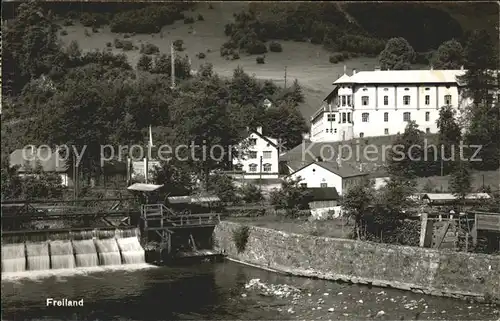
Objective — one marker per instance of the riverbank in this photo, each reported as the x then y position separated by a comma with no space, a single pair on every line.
428,271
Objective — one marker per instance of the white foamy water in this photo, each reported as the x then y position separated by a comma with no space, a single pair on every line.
13,258
109,253
61,254
38,256
38,275
85,253
132,251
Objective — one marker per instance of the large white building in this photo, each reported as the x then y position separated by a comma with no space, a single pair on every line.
377,103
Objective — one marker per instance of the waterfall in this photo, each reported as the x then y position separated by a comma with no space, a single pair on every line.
61,253
70,249
85,253
38,256
13,258
132,251
109,254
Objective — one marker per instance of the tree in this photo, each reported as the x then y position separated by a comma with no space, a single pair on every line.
175,178
292,197
285,123
405,160
450,136
356,202
145,63
481,58
30,46
449,55
250,193
483,130
460,181
223,186
397,55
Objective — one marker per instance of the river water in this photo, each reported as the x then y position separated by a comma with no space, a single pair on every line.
214,291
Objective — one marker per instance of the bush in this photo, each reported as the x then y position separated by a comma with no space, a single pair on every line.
201,55
149,49
87,19
256,47
64,33
336,57
251,193
179,45
188,20
149,19
68,22
236,56
86,33
240,238
275,47
118,44
109,44
126,36
260,60
127,45
95,30
200,17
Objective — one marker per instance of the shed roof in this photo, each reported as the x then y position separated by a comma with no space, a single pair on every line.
343,171
323,194
193,199
451,197
144,187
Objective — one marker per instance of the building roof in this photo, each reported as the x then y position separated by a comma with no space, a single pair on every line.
27,159
451,197
267,139
401,77
344,171
197,199
144,187
323,194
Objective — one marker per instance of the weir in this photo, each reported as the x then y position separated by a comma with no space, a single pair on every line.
41,250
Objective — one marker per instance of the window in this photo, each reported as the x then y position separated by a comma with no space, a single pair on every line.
343,100
427,99
386,100
427,130
323,185
406,116
348,117
303,185
349,100
253,167
386,117
427,89
267,154
267,167
406,100
335,130
331,117
327,130
364,100
343,117
427,115
361,135
386,131
252,155
365,117
238,167
253,141
447,100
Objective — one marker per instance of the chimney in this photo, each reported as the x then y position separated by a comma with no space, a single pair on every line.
432,67
377,68
354,71
345,69
462,67
259,130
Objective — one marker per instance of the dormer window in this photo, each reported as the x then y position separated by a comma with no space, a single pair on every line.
253,141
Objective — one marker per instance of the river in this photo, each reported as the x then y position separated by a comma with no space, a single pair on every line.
215,291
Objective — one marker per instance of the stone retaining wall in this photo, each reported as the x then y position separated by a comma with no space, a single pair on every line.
444,273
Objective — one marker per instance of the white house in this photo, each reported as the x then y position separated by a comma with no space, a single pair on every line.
377,103
259,157
328,174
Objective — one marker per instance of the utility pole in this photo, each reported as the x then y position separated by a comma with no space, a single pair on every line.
260,174
172,64
285,76
442,171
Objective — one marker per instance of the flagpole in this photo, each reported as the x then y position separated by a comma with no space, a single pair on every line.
172,64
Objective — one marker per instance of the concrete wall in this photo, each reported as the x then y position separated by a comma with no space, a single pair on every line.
411,268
